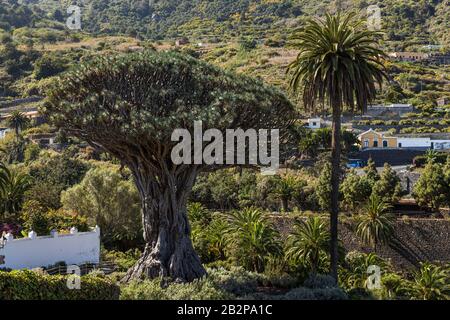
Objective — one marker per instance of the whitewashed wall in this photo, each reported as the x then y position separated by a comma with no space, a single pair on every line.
414,142
441,144
33,252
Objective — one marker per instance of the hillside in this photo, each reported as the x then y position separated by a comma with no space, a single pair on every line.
406,22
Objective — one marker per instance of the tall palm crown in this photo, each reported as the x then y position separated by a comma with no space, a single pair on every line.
17,121
376,224
338,63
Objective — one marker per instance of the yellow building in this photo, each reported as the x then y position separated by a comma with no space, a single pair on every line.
373,139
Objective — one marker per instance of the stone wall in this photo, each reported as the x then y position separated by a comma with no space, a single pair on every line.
415,241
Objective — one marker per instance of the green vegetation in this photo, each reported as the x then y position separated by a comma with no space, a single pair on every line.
30,285
239,233
341,71
376,224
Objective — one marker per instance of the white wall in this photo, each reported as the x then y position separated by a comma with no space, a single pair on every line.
314,123
3,133
441,144
414,142
33,252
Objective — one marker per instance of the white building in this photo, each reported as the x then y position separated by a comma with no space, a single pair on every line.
315,123
75,248
406,142
3,132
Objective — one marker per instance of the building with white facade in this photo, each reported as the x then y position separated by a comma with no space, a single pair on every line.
374,139
315,123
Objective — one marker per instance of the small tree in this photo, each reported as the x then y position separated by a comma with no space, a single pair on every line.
323,188
388,188
285,189
355,190
129,105
108,201
432,189
371,172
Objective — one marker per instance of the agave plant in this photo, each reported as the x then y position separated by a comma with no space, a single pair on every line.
252,238
431,282
376,224
309,243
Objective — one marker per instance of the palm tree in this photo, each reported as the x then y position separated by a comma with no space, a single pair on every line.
431,283
17,121
338,64
285,189
252,237
376,224
308,243
13,185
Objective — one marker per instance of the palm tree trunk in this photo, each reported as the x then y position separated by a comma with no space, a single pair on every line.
335,174
285,204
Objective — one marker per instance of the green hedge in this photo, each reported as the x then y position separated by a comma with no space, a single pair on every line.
29,285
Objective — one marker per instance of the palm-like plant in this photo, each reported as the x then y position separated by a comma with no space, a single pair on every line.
13,185
431,283
339,64
355,274
431,155
252,237
285,188
376,224
308,243
17,121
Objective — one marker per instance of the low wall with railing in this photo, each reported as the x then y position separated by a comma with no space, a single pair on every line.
41,251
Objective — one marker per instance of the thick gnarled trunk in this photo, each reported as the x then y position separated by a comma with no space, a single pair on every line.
169,251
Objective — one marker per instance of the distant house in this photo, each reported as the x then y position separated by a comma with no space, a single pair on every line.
442,101
432,47
439,59
374,139
43,139
315,123
3,132
135,48
408,56
181,42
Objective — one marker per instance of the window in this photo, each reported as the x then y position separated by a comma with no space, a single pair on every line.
385,144
314,124
399,144
375,143
366,143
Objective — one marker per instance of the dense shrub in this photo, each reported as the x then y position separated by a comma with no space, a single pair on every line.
122,260
110,201
236,280
37,218
200,289
433,187
29,285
